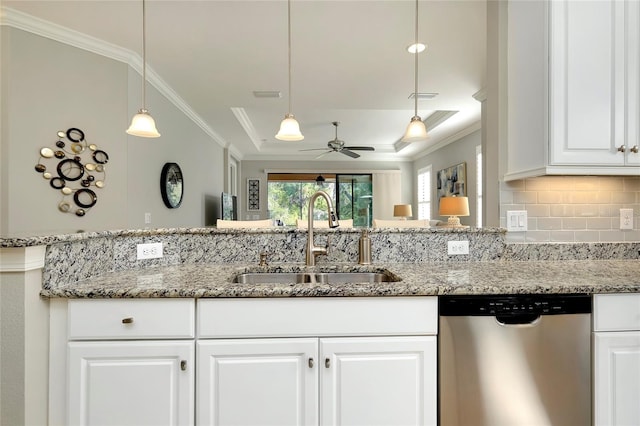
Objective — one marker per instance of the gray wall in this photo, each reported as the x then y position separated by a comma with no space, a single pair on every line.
49,86
256,169
464,149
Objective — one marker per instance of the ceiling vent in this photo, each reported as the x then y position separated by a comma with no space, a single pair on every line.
423,96
267,94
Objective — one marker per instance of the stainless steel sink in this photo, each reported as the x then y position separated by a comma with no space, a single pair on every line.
313,277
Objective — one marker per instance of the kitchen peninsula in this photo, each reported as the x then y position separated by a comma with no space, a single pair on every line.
88,278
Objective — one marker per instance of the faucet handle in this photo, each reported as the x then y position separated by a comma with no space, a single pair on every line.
328,241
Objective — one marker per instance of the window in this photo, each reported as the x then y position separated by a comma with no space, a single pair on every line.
424,193
288,196
479,186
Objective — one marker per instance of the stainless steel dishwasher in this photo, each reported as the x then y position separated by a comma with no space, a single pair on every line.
515,360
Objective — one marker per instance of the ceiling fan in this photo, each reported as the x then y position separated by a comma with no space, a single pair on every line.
337,145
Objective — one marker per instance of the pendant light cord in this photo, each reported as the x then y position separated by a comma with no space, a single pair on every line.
144,59
289,47
415,90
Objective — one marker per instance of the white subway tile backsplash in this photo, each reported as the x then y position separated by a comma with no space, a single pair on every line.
525,197
599,223
572,208
550,197
587,210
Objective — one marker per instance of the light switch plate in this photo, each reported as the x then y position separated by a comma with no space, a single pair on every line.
626,218
516,220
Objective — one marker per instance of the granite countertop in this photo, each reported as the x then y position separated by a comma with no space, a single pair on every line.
431,278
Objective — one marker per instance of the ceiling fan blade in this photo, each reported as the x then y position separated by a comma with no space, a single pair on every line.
313,149
360,148
323,154
349,153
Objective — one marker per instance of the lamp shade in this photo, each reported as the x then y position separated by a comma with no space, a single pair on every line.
289,129
402,210
454,206
142,124
416,131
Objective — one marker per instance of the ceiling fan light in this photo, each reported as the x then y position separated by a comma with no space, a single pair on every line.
289,129
416,131
143,125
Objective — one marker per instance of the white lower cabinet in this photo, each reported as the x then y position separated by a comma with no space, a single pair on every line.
131,383
328,381
290,361
257,382
122,362
378,381
317,361
617,360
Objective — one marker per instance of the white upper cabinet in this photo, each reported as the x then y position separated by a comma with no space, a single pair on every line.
574,88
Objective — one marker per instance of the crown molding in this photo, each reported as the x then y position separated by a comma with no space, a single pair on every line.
247,125
448,140
22,21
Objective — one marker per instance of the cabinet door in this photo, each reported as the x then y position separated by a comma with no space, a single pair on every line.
587,82
617,378
257,382
378,381
131,383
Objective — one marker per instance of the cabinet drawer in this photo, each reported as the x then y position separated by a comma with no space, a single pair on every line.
131,319
317,316
616,312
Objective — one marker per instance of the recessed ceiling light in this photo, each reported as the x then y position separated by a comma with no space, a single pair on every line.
419,47
267,94
424,96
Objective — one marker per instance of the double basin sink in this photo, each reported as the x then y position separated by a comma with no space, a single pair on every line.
314,277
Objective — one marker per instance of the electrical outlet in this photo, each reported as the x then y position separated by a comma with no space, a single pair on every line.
626,218
149,251
458,247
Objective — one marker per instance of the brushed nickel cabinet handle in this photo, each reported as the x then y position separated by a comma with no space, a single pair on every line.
634,149
183,365
128,320
311,363
327,363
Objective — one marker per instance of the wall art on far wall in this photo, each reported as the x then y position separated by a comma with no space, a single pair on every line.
452,181
253,194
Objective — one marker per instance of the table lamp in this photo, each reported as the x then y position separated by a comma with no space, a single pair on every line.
454,207
403,211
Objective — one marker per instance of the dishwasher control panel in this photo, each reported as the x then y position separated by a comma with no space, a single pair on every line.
491,305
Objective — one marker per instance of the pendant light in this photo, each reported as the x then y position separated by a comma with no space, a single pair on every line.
289,127
416,131
142,124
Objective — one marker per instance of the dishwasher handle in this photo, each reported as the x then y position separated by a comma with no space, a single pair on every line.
518,320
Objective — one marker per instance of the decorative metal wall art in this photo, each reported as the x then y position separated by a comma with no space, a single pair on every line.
73,175
253,195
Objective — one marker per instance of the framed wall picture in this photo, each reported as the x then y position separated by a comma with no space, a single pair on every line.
253,194
452,181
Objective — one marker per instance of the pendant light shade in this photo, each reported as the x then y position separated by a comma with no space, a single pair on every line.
289,127
416,131
142,124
